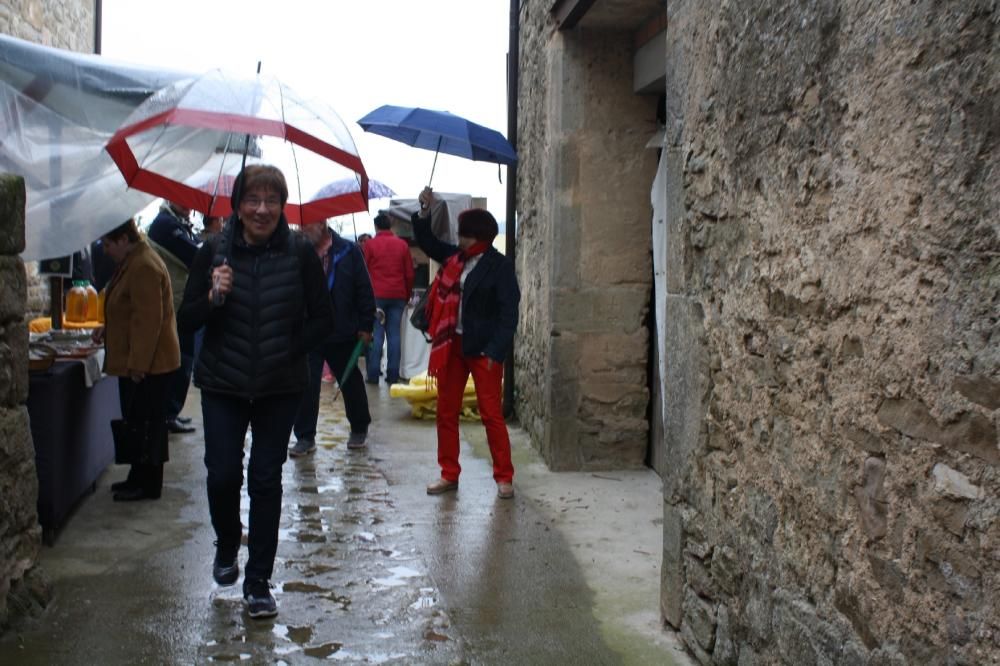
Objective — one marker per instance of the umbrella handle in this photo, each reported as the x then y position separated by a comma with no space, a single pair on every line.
434,166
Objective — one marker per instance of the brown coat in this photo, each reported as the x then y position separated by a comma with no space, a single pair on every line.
140,333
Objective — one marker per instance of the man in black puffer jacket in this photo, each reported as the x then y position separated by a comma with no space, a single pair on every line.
258,290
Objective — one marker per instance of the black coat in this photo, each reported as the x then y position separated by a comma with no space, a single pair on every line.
255,343
490,296
352,295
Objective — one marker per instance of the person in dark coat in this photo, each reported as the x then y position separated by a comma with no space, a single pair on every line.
353,300
171,235
258,289
473,309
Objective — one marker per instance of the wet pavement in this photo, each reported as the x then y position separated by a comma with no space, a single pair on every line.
370,569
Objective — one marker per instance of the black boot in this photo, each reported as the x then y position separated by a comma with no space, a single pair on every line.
129,482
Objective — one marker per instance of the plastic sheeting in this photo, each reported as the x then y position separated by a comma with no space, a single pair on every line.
57,111
658,198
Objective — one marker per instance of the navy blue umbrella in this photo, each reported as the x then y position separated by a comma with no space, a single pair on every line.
441,132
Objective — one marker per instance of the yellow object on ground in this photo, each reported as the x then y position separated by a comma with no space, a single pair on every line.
44,324
422,396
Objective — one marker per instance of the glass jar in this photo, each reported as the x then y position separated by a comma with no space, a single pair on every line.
93,303
76,303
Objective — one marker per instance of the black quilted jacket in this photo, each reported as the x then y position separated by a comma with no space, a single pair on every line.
255,343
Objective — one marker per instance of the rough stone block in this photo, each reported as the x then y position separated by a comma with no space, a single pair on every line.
727,569
974,434
889,577
12,201
13,364
699,579
853,654
757,613
952,514
910,417
748,657
865,440
871,499
13,289
970,432
672,567
15,437
699,617
725,653
980,390
952,483
887,656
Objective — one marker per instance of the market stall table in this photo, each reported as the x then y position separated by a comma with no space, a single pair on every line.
71,430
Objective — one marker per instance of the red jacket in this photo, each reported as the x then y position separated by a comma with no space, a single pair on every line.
390,265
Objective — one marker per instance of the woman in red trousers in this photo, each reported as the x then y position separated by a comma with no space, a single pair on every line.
473,309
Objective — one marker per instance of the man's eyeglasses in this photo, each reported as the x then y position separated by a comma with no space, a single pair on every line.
254,202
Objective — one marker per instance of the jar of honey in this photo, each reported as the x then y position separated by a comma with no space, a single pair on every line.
93,303
76,303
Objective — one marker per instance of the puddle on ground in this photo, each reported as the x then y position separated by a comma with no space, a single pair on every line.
299,586
299,635
309,537
343,601
318,569
427,599
335,485
230,657
323,651
398,577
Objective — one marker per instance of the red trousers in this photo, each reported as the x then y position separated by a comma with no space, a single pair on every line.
488,376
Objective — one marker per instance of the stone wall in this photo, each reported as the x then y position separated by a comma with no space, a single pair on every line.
20,534
833,295
584,259
67,24
64,24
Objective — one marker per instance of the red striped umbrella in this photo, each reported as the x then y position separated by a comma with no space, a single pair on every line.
211,119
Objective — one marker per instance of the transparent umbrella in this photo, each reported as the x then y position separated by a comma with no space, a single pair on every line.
210,119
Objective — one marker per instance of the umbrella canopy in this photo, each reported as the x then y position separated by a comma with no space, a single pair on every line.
376,188
439,131
192,119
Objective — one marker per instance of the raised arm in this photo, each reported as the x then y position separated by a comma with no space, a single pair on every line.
432,246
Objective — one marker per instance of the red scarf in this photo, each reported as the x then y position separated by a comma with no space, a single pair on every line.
443,302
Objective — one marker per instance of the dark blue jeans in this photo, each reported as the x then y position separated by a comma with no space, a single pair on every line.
336,354
391,334
226,419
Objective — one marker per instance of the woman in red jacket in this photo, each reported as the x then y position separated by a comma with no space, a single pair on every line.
473,310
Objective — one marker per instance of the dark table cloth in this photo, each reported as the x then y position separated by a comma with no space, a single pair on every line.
70,427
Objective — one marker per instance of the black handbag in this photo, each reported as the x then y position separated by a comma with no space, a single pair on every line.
138,445
420,318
